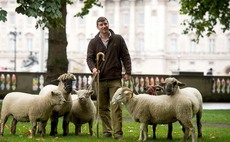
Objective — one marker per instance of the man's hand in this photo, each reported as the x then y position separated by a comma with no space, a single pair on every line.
94,71
126,77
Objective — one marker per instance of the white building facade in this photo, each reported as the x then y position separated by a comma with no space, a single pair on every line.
151,28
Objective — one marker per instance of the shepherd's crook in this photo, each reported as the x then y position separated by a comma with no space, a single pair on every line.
97,59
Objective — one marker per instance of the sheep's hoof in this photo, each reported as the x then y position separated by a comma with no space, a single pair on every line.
30,137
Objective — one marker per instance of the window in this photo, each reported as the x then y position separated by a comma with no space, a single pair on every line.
29,43
81,22
140,45
173,45
192,46
211,45
174,19
228,45
141,19
125,19
81,43
111,19
12,18
29,21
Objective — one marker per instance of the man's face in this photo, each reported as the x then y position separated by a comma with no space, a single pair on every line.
103,27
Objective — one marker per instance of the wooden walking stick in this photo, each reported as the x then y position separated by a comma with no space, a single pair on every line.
97,90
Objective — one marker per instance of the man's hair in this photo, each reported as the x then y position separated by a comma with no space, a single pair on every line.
101,19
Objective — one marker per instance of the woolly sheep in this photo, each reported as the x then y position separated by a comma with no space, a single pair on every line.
152,90
156,90
172,88
161,109
65,86
83,110
25,107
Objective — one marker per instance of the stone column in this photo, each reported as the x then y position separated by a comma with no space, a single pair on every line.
132,25
117,16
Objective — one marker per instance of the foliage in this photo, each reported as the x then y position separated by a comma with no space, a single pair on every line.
204,15
47,13
3,15
88,4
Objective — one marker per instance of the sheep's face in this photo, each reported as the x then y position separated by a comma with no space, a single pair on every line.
171,85
66,80
121,95
58,97
83,95
152,90
68,86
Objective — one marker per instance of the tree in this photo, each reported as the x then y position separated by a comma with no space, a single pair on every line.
204,15
51,14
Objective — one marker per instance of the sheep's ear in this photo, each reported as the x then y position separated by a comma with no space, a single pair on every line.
53,93
181,84
75,91
91,92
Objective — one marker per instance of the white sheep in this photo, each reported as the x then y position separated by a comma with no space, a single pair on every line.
161,109
83,110
172,88
152,90
65,86
25,107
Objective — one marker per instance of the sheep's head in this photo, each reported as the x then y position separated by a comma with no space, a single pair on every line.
58,97
83,95
66,80
171,85
152,90
123,94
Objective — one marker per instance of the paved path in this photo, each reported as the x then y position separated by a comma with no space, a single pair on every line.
211,106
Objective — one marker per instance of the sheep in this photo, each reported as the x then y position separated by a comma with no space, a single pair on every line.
83,110
152,91
163,109
65,86
155,90
172,88
26,107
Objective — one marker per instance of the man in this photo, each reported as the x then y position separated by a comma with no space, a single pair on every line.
116,54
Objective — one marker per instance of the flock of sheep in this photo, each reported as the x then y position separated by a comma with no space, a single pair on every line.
76,106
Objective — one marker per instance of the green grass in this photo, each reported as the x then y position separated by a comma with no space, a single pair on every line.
216,128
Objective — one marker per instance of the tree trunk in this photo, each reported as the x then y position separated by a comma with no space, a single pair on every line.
57,62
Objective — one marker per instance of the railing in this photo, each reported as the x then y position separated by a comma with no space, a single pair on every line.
212,88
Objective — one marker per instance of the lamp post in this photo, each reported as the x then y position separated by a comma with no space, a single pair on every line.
178,60
15,44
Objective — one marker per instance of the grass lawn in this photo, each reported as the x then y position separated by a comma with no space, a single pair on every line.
216,128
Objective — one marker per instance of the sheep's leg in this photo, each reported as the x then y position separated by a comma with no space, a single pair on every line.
34,126
199,125
43,128
170,128
91,127
4,119
39,128
13,126
188,126
154,130
54,123
65,125
77,129
143,132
